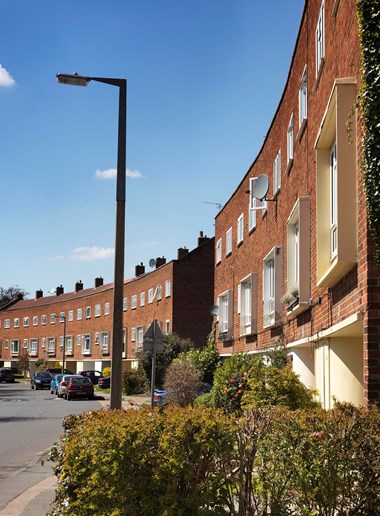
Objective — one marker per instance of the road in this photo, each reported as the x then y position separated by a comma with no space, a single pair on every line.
30,422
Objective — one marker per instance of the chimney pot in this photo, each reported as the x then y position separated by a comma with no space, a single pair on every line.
160,261
78,286
181,252
98,282
202,239
39,293
59,291
139,270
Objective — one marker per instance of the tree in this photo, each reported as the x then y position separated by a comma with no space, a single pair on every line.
174,345
23,362
182,382
10,293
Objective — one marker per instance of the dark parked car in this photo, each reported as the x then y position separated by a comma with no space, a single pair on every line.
93,375
6,375
41,380
104,383
79,387
54,383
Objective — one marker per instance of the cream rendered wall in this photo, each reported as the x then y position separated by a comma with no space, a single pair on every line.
346,366
303,364
322,374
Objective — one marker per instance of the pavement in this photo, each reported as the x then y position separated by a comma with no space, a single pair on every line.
37,498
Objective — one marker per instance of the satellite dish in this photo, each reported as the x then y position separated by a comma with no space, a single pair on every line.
214,310
261,187
152,262
52,291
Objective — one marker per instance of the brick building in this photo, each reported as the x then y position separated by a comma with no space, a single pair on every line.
178,294
296,268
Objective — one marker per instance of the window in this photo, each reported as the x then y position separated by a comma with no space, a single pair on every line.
79,314
133,334
272,287
142,299
15,347
218,251
62,317
140,336
86,344
6,344
43,320
320,40
247,304
51,346
107,308
167,327
125,304
254,204
150,295
97,338
88,312
25,343
26,322
43,342
35,320
225,303
303,101
290,141
159,292
134,302
104,341
167,288
79,340
298,294
7,323
52,318
336,201
333,202
69,345
228,241
33,350
277,173
61,343
16,322
124,354
240,229
97,310
71,315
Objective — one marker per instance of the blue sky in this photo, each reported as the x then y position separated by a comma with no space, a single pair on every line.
204,80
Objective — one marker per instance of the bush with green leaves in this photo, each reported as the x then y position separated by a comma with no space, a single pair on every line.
174,345
268,386
142,462
206,360
134,381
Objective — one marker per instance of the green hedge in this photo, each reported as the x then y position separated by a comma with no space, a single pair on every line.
200,461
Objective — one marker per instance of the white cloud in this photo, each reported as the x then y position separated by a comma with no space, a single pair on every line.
5,78
86,254
110,173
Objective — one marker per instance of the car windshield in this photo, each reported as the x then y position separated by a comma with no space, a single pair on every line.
80,381
44,374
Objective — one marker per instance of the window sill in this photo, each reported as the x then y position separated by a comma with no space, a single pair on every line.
298,308
228,254
289,166
239,244
86,353
302,129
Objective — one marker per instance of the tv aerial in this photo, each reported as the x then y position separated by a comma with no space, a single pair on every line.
217,204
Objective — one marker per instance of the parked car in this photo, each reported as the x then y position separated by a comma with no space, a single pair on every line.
79,387
58,370
41,380
93,375
61,389
159,394
104,383
54,383
6,375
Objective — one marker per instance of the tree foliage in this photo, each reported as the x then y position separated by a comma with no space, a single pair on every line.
8,294
23,364
182,382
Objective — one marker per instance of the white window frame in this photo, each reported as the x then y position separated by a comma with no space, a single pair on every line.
290,140
16,322
150,296
218,251
320,40
43,320
7,323
140,336
229,241
107,308
125,304
240,229
167,326
104,341
79,314
71,315
35,320
168,288
245,304
43,342
86,344
142,298
333,202
69,345
15,347
25,343
302,96
223,313
26,322
97,338
97,310
254,204
79,340
134,302
52,318
88,312
277,173
159,292
33,347
51,346
269,289
133,335
61,317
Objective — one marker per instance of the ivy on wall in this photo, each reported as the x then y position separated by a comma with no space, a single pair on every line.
369,104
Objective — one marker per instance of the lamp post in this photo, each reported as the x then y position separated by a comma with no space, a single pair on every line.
62,318
117,330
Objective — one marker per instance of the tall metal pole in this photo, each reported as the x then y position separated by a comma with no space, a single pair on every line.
117,337
64,345
154,357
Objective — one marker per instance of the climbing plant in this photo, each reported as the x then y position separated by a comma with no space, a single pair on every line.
369,104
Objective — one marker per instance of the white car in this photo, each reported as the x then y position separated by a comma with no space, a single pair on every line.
61,390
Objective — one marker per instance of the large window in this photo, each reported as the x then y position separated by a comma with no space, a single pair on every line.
15,347
320,40
225,303
51,346
33,349
247,304
272,287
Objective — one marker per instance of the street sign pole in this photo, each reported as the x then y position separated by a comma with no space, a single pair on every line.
153,378
153,343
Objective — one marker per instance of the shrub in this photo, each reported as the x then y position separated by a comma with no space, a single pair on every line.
23,364
134,381
41,364
182,382
206,360
106,372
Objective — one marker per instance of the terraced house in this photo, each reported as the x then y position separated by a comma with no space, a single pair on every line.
178,294
294,266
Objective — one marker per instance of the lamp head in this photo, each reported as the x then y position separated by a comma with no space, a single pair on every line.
73,79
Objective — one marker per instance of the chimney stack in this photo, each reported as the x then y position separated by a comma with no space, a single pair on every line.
139,270
39,293
202,239
98,282
181,252
160,261
59,291
78,286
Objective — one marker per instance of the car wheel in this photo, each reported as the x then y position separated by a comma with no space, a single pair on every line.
68,397
32,386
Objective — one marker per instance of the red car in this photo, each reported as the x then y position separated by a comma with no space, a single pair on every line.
79,387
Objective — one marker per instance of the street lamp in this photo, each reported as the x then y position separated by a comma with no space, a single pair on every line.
62,318
117,330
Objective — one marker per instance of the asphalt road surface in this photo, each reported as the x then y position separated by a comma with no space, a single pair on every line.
30,422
